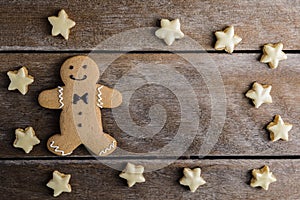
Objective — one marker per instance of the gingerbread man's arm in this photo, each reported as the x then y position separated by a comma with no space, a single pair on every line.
51,98
111,98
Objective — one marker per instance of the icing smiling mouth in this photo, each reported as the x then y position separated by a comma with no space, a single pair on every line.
78,79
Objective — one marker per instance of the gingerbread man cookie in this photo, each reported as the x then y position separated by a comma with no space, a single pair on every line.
80,100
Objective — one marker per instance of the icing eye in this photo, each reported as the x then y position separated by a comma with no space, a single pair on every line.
71,67
84,66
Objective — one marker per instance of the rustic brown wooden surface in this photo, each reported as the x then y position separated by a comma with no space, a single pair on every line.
244,142
24,25
244,130
226,179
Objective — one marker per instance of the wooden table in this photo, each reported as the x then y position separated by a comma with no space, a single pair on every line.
243,143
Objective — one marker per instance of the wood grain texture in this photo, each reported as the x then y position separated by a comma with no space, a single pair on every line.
244,130
24,24
90,179
163,92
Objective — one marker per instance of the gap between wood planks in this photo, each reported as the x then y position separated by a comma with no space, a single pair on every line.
135,52
75,158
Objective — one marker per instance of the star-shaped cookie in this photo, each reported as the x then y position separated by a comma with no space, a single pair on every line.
133,174
169,31
260,94
20,80
25,139
273,54
61,24
227,39
278,129
59,183
192,178
262,178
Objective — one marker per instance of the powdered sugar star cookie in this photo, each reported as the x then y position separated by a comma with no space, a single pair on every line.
169,31
61,24
25,139
278,129
133,174
59,183
260,94
227,39
262,178
273,54
192,178
19,80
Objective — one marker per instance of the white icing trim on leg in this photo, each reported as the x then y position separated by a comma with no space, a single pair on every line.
110,147
100,103
56,149
60,96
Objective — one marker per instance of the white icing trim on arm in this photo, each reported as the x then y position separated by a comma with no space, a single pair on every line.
100,103
56,149
60,96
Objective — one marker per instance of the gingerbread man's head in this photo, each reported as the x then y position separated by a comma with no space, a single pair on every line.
79,69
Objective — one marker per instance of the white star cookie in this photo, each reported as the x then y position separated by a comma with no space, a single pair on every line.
25,139
278,129
169,31
262,178
61,24
133,174
20,80
227,39
273,54
59,183
260,94
192,178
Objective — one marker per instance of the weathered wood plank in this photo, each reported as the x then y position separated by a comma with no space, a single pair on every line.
24,24
226,179
244,129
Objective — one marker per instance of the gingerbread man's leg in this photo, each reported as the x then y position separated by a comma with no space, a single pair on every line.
92,135
65,143
111,147
102,145
61,146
